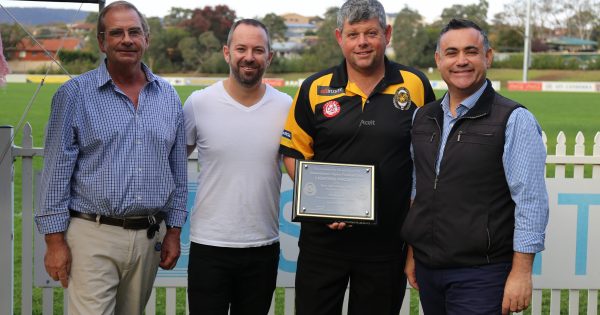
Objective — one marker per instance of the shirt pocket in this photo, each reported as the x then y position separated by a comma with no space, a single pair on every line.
161,132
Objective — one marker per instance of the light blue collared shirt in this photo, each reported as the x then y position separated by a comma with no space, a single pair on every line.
524,161
103,156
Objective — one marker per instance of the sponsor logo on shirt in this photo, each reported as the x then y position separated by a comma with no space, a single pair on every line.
331,109
366,123
286,134
329,91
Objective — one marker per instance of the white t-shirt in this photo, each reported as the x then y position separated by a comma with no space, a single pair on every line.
237,202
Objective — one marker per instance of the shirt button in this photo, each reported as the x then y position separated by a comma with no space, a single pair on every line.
368,101
139,198
138,142
140,170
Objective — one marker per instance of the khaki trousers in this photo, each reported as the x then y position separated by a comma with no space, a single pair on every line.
112,269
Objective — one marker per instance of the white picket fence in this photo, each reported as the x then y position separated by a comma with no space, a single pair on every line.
26,152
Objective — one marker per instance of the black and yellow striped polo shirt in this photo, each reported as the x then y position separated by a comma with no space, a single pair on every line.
331,120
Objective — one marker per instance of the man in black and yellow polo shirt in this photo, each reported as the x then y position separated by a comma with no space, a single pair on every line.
359,112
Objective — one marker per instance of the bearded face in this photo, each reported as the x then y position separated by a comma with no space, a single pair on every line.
248,72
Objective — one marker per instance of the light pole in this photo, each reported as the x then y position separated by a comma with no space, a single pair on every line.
527,41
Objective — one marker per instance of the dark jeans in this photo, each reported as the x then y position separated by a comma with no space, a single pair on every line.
459,291
221,278
376,287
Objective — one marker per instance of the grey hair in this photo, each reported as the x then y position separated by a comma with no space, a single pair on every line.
355,11
252,22
457,24
120,4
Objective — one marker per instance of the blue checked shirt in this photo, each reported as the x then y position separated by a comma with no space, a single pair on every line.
102,156
524,161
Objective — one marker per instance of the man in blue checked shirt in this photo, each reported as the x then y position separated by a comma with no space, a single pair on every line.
113,190
481,207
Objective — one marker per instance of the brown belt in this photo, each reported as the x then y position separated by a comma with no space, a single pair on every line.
130,224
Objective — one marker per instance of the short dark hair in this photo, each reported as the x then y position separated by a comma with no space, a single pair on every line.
355,11
252,22
101,28
457,24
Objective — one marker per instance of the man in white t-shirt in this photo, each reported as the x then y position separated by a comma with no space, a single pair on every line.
236,125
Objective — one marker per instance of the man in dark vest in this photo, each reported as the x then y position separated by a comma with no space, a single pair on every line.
481,207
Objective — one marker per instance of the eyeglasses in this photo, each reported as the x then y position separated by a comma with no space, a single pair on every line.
119,33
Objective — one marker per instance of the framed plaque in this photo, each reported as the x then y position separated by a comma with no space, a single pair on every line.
334,192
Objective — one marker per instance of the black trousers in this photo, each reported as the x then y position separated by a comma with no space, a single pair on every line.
376,287
457,291
236,281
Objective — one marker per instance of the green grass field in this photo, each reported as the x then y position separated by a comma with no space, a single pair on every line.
556,111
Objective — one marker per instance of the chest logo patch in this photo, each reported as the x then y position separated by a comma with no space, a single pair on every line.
331,109
402,99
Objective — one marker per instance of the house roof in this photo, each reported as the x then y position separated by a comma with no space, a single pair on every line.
300,25
286,46
83,26
570,41
296,15
50,44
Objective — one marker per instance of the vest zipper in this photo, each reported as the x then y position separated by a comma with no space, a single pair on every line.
437,154
489,239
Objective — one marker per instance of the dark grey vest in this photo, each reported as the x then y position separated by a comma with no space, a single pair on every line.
465,215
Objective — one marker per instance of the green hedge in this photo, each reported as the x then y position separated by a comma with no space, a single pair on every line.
548,61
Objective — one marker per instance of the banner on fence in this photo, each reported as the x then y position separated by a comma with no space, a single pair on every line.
177,81
553,86
571,86
274,82
571,259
